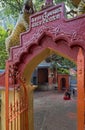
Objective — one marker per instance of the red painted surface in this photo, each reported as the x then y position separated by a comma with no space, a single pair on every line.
2,80
61,34
42,75
49,29
60,82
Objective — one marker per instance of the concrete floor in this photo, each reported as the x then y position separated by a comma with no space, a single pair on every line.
51,112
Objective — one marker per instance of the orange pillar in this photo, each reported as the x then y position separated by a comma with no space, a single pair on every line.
80,84
7,95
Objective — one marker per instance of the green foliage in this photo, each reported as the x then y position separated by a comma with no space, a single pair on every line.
65,62
12,7
3,54
60,64
59,1
57,60
38,4
67,2
63,71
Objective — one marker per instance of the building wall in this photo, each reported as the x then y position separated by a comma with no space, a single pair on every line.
60,77
42,75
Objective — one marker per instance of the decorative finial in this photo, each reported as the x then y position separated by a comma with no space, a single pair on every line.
48,2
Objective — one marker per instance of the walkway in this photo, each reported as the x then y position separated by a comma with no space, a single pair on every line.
51,112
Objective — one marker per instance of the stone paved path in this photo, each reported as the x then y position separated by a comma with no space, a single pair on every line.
51,112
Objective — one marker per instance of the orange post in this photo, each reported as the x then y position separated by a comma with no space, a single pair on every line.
80,84
7,95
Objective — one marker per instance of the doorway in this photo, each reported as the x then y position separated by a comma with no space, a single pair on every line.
63,83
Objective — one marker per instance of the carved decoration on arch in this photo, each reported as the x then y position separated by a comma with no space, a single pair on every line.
34,39
32,47
56,32
52,31
62,37
77,37
30,50
78,43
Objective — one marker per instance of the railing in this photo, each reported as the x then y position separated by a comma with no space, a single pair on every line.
17,103
17,114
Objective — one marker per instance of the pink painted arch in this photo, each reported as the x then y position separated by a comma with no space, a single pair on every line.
49,31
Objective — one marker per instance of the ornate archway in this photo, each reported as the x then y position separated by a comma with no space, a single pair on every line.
49,32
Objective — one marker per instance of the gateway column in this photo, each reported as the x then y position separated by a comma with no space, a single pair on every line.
80,85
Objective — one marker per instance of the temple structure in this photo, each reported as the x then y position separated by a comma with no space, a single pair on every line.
49,32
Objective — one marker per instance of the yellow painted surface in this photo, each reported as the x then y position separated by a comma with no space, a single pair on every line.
3,108
27,75
2,92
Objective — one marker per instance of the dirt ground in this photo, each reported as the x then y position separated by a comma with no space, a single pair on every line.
51,112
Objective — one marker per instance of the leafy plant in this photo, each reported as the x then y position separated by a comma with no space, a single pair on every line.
3,53
63,71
